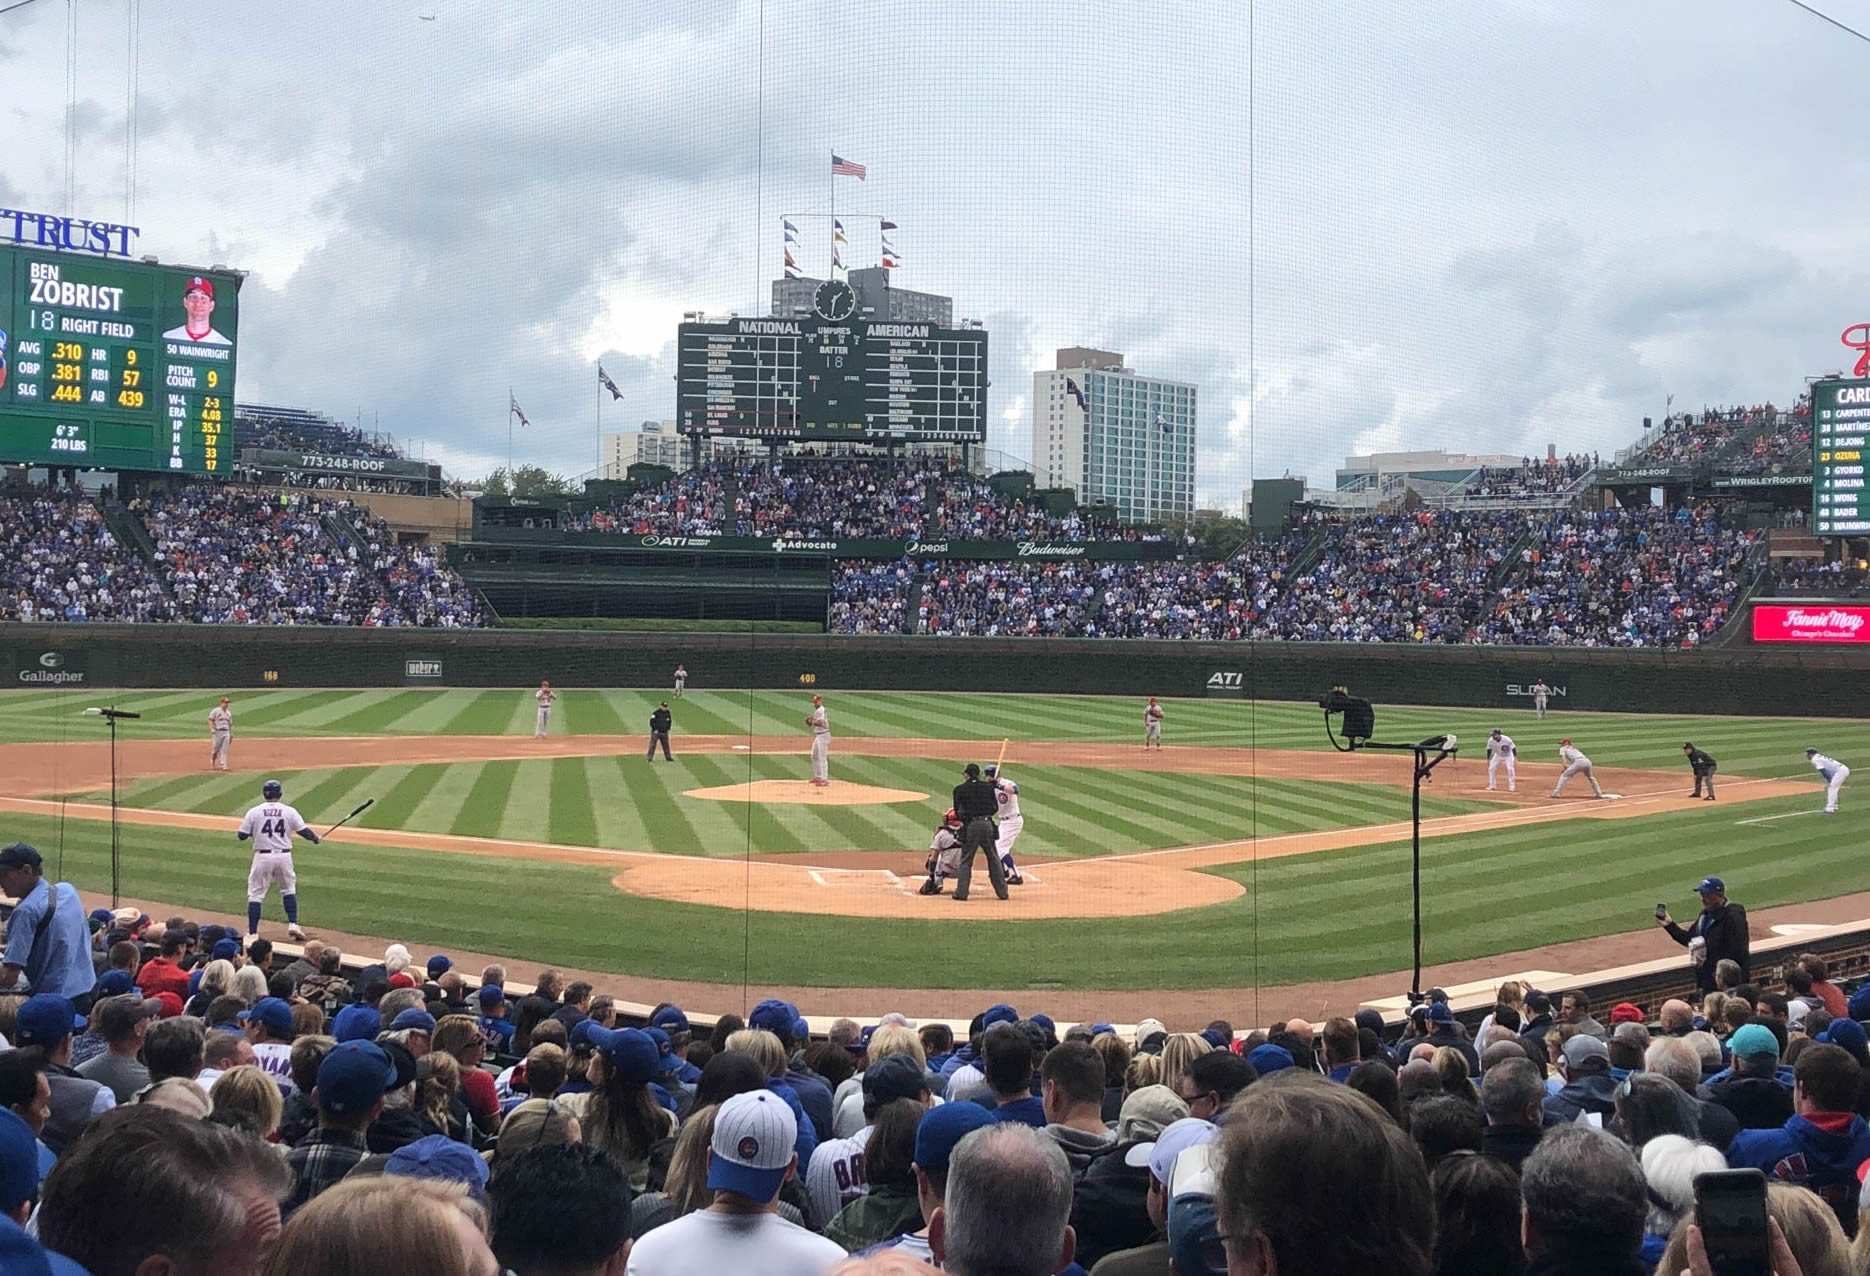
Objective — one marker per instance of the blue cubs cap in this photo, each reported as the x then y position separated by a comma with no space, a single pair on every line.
1440,1012
631,1051
414,1019
436,1156
942,1127
439,965
492,995
22,1255
1270,1058
1711,886
115,983
224,950
1099,1029
1859,1004
1215,1037
45,1020
774,1016
1847,1033
670,1019
353,1077
754,1135
666,1062
275,1014
358,1022
19,1162
1044,1021
999,1013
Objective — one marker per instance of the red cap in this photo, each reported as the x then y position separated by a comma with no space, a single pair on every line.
171,1004
402,979
200,284
1626,1012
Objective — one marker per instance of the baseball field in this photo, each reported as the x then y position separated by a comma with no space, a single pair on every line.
1244,854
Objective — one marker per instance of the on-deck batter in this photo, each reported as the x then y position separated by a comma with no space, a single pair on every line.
221,728
1006,793
271,826
821,742
1152,724
545,697
1834,772
1575,764
1502,752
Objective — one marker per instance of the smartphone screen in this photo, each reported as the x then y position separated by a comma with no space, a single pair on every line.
1662,911
1730,1207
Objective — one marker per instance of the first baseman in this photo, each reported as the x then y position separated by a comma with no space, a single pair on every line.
1703,767
1152,724
271,826
681,679
1539,693
1834,772
221,727
1006,793
545,696
821,742
1502,752
1575,764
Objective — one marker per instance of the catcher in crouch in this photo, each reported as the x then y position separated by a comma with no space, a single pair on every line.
944,853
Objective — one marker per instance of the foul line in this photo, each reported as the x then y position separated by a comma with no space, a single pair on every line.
1763,819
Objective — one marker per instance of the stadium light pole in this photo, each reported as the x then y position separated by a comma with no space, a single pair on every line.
111,716
1359,723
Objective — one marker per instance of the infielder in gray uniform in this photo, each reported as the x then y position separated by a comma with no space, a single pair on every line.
1575,764
821,742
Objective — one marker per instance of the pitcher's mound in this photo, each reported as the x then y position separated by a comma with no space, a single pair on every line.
805,793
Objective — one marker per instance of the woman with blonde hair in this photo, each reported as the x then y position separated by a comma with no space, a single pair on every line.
217,980
308,1020
765,1050
249,984
848,1104
1180,1050
367,1226
1116,1056
1451,1066
248,1092
1812,1232
438,1076
1144,1070
1510,996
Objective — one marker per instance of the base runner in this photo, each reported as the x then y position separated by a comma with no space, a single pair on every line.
944,853
1006,793
545,697
1502,752
681,679
1152,724
821,742
271,826
221,729
1575,764
1834,773
1539,694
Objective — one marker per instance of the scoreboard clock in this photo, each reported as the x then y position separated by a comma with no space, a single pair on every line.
113,364
1840,444
831,376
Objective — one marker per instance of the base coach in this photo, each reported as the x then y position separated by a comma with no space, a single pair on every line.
975,803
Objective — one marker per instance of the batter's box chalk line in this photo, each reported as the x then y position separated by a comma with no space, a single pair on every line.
854,876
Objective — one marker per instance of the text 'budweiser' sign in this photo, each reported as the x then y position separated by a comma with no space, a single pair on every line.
1773,623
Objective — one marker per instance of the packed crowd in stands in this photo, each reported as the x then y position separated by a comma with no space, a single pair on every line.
306,433
60,561
1806,576
1531,477
1785,445
248,1109
870,597
845,498
1693,437
238,556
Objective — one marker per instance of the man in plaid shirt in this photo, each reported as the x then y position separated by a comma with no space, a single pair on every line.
352,1081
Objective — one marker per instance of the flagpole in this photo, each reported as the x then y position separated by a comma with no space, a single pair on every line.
600,428
832,273
510,401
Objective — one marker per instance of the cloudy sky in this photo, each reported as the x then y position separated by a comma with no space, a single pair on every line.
1368,224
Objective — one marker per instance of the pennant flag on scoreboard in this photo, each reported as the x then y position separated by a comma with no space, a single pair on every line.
889,225
841,167
837,232
837,261
1071,388
890,263
790,264
791,235
791,230
513,408
603,379
792,272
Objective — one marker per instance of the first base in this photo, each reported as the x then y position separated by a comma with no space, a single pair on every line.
1612,797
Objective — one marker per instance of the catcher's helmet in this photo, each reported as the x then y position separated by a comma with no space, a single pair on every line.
950,817
272,790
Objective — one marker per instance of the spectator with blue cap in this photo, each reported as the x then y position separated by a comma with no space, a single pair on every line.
46,1024
268,1025
750,1158
670,1093
436,1156
26,1094
619,1114
1270,1058
1755,1088
940,1129
48,940
356,1023
19,1169
781,1018
352,1082
492,1020
1718,934
672,1021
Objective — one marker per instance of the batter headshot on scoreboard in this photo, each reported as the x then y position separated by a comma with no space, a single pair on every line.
198,304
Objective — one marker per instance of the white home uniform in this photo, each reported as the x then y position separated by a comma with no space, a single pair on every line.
545,696
821,745
835,1177
1502,753
271,826
681,679
1575,764
1835,773
1539,693
1152,725
221,726
1006,793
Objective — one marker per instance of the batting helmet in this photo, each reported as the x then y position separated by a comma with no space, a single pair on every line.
271,789
991,769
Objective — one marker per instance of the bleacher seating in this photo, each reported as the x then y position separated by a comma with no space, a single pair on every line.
59,561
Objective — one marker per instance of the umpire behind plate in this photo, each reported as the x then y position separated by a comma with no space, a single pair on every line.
975,803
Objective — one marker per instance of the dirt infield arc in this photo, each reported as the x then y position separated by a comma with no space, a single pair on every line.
882,882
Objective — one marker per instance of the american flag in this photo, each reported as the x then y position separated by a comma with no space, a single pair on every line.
841,167
513,409
1071,388
603,379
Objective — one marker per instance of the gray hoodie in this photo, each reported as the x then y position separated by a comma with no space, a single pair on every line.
1080,1146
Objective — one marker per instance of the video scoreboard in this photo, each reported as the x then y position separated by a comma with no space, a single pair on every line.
115,364
1840,444
858,380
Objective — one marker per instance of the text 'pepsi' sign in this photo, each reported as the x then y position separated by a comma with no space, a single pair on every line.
1774,622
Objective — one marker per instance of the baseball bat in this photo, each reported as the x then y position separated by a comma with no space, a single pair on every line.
362,806
997,761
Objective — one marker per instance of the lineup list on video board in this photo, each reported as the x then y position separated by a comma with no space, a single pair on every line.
803,378
116,364
1840,441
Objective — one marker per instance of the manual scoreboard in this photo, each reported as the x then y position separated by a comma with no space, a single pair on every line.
832,376
114,364
1840,444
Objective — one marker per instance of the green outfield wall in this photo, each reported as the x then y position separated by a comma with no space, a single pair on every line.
1739,679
